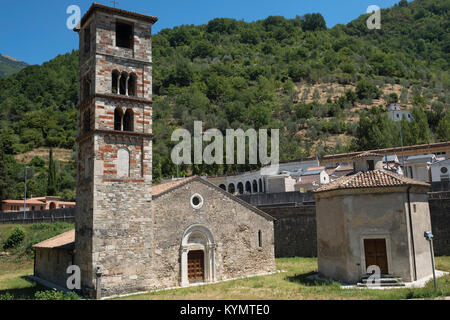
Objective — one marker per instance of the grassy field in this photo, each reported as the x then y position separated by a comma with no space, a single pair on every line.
294,285
291,284
16,263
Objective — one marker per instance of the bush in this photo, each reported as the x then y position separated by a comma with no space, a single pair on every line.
6,296
55,295
15,238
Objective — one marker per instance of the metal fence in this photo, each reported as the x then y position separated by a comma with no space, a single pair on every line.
47,216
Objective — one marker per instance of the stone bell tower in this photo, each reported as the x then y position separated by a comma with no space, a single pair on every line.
113,218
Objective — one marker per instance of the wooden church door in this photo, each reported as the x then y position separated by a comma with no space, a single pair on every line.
196,266
376,254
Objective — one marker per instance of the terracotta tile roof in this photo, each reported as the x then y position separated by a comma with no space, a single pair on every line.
65,240
370,179
166,186
367,154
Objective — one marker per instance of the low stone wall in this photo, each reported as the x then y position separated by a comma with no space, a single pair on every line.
51,265
295,230
440,223
47,216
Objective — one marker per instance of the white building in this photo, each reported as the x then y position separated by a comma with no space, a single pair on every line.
397,114
418,167
440,171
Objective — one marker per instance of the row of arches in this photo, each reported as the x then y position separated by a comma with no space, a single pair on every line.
257,186
124,83
123,121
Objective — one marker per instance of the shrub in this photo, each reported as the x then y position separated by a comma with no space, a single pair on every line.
55,295
15,238
6,296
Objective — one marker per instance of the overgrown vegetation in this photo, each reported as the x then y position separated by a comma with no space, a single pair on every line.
17,241
325,89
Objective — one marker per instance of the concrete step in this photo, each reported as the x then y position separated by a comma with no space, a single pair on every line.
385,280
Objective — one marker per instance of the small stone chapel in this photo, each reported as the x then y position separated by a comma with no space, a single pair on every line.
373,217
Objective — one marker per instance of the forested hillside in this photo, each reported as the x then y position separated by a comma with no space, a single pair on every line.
10,65
325,89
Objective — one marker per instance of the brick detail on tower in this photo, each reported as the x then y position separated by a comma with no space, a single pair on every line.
113,219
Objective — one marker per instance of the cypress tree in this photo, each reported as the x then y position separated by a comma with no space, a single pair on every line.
51,185
4,176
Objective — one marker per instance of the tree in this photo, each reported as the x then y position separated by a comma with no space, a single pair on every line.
365,89
443,128
313,22
51,185
4,175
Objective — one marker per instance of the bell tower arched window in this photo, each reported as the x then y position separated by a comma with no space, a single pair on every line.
118,116
115,82
123,83
123,162
128,120
132,85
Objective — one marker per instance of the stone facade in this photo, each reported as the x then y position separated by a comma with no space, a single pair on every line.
344,220
52,264
238,240
113,220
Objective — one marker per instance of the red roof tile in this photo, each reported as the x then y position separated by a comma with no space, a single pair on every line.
65,240
371,179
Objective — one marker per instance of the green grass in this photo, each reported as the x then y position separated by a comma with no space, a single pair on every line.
294,285
34,233
17,263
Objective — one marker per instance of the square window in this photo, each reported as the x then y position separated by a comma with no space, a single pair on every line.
124,35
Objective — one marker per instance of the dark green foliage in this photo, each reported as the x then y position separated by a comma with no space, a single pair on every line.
15,239
55,295
234,74
365,89
313,22
51,184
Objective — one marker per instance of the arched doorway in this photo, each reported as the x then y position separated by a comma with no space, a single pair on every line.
222,186
52,205
260,185
197,256
231,188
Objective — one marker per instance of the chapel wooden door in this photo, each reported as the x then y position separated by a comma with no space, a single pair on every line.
376,254
196,266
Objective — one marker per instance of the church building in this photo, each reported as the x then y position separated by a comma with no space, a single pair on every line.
131,236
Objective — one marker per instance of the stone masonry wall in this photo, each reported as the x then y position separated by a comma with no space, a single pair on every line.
440,224
295,230
233,226
51,265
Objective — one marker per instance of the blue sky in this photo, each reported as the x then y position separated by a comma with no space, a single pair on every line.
35,31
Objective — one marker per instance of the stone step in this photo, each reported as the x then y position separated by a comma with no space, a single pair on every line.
384,280
365,285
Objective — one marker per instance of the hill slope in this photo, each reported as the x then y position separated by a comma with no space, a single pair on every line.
317,85
9,66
